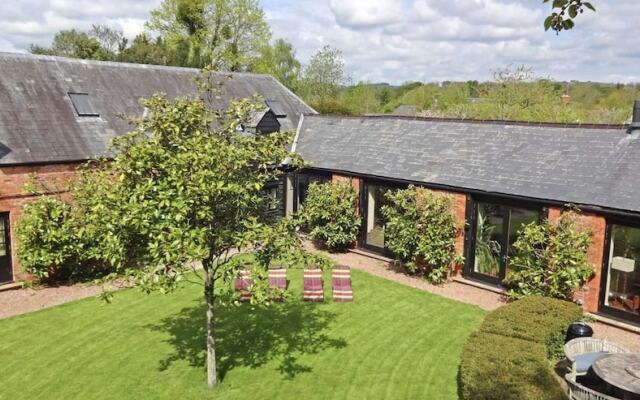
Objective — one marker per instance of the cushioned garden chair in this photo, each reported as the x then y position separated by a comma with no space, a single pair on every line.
580,392
278,280
313,285
582,352
341,283
243,283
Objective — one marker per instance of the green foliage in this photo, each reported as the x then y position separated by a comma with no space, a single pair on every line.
52,246
508,358
145,50
487,251
74,44
421,230
46,237
279,61
226,34
564,13
330,210
323,76
550,259
535,319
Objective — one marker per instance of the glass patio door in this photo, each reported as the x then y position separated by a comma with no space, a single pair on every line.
374,222
496,228
620,294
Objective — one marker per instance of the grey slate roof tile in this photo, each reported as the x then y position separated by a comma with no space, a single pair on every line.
598,166
38,122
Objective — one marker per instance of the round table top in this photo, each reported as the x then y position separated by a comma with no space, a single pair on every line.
621,370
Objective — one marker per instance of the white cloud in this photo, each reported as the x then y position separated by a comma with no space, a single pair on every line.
392,40
366,13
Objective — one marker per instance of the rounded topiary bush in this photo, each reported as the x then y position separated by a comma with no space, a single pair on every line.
330,212
510,356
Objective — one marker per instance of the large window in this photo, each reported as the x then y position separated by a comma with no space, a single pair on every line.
622,283
303,180
495,228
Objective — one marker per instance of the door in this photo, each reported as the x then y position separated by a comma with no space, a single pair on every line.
495,230
620,291
5,249
374,221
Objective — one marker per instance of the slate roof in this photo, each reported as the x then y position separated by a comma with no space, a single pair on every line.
38,123
588,165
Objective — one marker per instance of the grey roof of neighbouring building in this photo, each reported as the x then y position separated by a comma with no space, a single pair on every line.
38,123
588,165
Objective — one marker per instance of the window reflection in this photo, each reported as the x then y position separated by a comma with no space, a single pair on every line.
623,278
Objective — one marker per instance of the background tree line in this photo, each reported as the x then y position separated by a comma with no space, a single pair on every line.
233,35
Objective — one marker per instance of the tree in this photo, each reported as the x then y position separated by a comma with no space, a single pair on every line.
280,61
564,12
145,50
185,186
74,44
110,39
227,34
323,76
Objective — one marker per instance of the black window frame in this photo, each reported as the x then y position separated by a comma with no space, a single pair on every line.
82,104
612,312
305,176
471,226
364,210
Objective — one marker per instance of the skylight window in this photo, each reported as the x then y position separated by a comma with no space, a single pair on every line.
83,105
277,108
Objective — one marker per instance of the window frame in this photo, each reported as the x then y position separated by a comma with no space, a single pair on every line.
471,228
604,309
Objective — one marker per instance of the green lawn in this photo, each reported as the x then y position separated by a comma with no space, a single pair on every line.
393,342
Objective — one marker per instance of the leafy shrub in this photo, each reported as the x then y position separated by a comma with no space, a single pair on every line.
536,319
330,210
496,367
52,245
508,357
550,259
47,245
420,230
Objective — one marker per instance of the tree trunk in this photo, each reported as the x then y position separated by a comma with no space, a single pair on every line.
212,378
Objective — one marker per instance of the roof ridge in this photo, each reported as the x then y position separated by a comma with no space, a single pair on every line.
478,121
41,57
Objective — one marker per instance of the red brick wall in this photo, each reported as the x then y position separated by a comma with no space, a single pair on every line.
597,224
13,196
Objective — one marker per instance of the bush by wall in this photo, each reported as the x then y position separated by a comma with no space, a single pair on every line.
550,259
53,244
330,211
420,230
509,356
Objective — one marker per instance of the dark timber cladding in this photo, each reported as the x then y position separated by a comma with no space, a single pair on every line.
586,165
39,123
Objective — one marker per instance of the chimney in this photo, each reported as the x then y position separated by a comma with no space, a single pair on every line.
635,120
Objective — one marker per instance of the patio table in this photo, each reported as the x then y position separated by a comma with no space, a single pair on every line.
621,371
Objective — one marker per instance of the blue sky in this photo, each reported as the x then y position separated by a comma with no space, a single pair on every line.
390,40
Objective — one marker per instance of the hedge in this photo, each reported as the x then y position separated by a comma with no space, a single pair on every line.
509,356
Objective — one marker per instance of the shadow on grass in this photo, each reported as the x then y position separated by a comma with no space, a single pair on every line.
250,337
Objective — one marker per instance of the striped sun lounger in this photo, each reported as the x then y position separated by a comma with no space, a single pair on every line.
341,283
278,282
278,278
243,283
313,285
